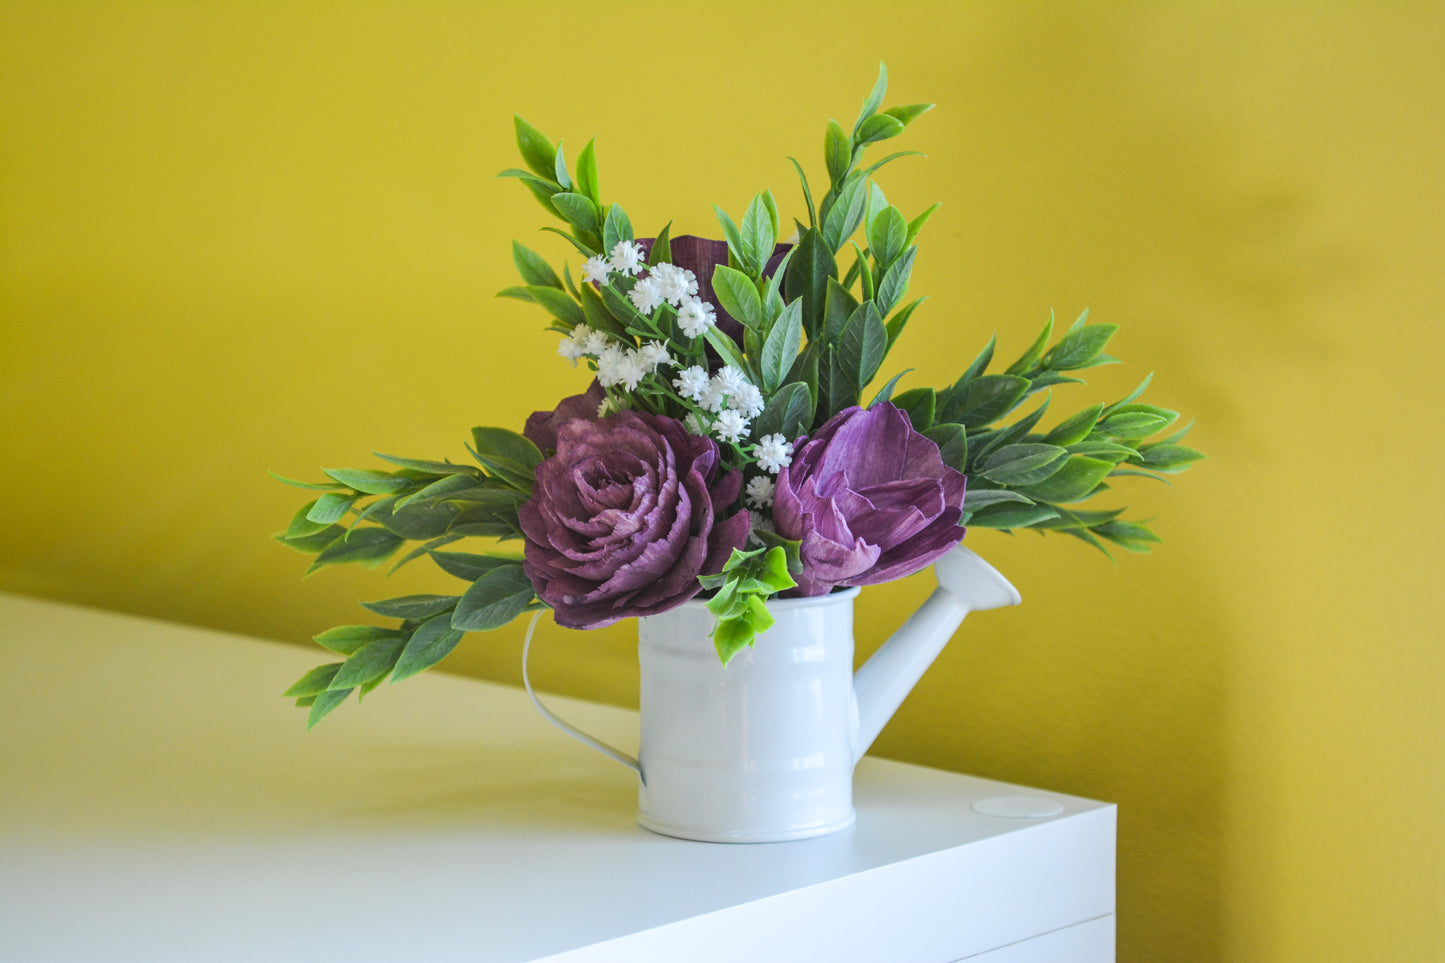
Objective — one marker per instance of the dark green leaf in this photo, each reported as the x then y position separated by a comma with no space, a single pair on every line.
738,296
886,236
1076,480
587,172
952,442
919,404
789,412
1080,348
372,660
493,600
469,566
1024,464
314,682
846,213
361,546
1169,459
579,211
1076,428
886,392
533,268
977,498
432,641
323,705
420,521
365,480
661,252
1135,421
984,400
899,321
1031,357
1009,516
1134,536
894,283
807,194
837,152
758,233
617,228
314,543
807,278
781,346
862,346
501,443
412,606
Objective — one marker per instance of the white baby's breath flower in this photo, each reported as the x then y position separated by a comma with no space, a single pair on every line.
748,399
645,295
729,381
774,453
632,369
730,426
691,383
712,397
695,317
595,270
596,343
696,423
676,284
605,408
760,492
611,365
573,346
625,258
655,353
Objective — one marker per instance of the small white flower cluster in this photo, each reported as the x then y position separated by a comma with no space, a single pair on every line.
774,453
727,394
616,364
664,284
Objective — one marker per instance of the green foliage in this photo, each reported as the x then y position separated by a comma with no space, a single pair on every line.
817,333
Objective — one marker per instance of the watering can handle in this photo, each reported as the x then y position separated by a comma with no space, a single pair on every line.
563,724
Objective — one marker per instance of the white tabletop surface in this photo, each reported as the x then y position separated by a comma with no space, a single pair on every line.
161,801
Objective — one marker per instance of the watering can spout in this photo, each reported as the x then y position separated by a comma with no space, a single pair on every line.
966,583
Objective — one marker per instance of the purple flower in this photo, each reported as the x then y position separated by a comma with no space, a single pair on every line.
702,256
870,499
625,517
541,428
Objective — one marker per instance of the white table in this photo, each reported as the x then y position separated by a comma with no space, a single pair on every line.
160,801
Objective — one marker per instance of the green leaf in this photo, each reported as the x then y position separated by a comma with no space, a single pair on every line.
1009,516
1082,347
1133,536
887,234
661,247
501,446
789,412
1131,422
731,233
371,661
465,565
977,498
727,348
985,399
432,641
493,600
314,543
918,404
837,153
559,169
449,487
432,467
346,639
617,227
871,168
894,283
1166,458
365,480
331,507
876,128
838,307
418,522
758,233
781,346
1075,428
536,150
314,682
412,606
323,486
886,392
587,173
738,296
1024,464
323,705
1031,357
731,636
1127,399
862,347
952,442
578,209
807,278
1076,480
584,249
368,547
533,268
908,113
916,225
846,213
302,525
807,194
874,99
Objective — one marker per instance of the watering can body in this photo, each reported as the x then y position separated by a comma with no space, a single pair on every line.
763,749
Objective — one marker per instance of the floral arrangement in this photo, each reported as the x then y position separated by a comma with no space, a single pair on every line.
724,447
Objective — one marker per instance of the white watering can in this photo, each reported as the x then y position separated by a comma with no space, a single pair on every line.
763,749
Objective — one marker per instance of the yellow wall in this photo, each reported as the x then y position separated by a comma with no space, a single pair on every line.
247,236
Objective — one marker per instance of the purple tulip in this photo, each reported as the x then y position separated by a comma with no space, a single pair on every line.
625,517
870,499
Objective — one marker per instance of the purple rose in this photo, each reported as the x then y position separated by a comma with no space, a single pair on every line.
541,428
625,517
870,499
